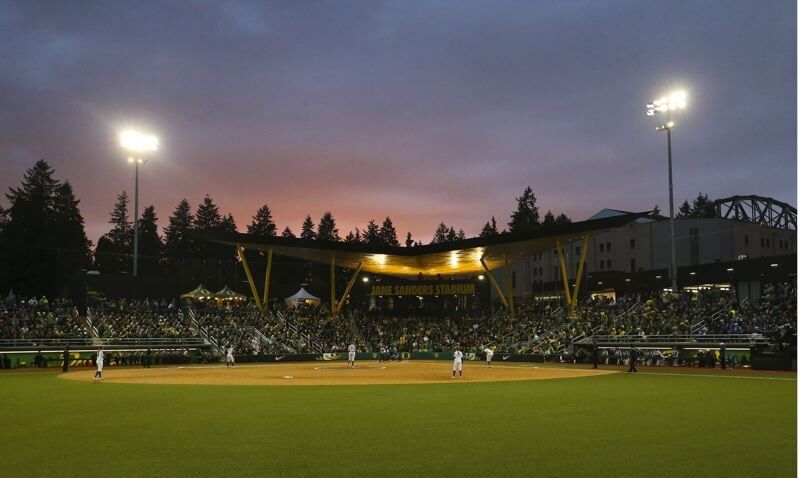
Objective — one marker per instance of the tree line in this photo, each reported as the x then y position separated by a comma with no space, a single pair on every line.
42,232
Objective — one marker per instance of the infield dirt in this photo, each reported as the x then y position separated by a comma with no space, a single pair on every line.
331,373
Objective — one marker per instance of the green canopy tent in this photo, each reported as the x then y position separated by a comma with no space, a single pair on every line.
200,293
227,294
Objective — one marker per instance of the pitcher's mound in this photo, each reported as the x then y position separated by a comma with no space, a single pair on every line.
332,373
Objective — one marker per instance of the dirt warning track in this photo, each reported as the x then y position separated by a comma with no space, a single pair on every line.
332,373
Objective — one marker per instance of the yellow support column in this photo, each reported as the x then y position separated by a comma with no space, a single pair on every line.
510,286
584,247
267,278
333,285
240,251
495,284
563,273
349,286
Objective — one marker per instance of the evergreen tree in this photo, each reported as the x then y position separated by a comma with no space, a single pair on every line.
228,224
526,217
307,229
327,231
372,235
115,248
287,232
350,237
699,206
440,235
69,229
685,210
452,236
409,241
489,229
121,234
387,233
150,244
208,217
263,223
42,239
461,235
563,219
549,219
177,243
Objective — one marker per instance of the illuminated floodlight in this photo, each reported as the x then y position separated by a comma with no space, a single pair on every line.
365,279
138,142
676,100
729,269
481,277
773,265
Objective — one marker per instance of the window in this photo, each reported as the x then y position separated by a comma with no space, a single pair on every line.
767,243
602,246
602,264
633,243
633,265
746,240
608,264
762,242
540,271
608,247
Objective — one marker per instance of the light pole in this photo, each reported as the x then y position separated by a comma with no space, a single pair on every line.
137,144
666,105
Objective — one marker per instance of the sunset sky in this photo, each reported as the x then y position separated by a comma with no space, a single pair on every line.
425,111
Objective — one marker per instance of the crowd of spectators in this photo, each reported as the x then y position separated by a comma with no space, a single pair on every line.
132,318
40,318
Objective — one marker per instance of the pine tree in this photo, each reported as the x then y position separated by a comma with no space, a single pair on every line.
307,229
387,233
489,229
121,234
228,224
358,237
350,237
262,223
699,206
563,219
150,244
452,236
177,243
549,219
685,210
68,227
327,231
461,235
409,240
208,217
440,235
372,234
287,232
526,217
115,248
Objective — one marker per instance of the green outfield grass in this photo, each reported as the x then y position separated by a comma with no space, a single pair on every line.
613,425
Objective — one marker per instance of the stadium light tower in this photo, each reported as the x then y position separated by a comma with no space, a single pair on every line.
137,144
666,105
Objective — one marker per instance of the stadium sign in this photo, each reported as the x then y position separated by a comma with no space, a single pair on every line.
444,288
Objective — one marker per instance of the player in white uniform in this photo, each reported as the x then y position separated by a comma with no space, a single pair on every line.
229,357
489,354
458,355
351,355
100,359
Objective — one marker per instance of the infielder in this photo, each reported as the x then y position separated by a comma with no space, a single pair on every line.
100,358
229,357
458,355
351,356
489,354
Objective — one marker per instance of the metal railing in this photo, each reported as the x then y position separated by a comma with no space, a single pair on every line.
157,342
710,340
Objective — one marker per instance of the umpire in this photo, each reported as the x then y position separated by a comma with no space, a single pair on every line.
634,358
65,364
595,353
723,360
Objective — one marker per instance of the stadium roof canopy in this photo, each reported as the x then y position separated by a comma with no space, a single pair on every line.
460,258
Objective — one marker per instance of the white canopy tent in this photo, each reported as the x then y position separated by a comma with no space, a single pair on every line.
302,296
